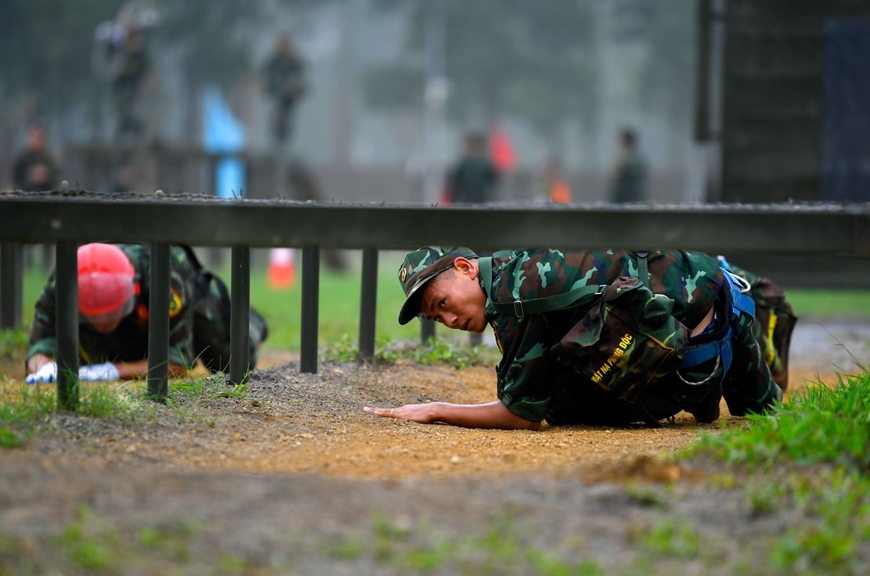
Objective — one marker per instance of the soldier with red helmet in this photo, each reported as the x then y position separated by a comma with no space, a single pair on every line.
114,288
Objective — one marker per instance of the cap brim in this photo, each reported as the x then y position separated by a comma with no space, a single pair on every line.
411,307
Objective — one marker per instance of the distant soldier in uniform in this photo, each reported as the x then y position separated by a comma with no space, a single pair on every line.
122,58
284,81
35,170
630,179
114,282
474,178
572,326
132,64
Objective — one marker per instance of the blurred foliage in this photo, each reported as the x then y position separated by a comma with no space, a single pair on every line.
529,59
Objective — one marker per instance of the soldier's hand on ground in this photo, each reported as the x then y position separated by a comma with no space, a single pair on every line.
98,372
422,413
47,373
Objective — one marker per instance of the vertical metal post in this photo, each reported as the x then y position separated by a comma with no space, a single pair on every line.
11,285
427,330
158,323
240,314
702,92
67,318
310,303
368,304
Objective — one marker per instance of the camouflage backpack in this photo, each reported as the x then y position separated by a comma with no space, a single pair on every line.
212,319
623,338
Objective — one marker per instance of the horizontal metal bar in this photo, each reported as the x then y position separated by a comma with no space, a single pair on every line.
772,229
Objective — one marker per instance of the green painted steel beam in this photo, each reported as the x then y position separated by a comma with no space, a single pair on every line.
772,229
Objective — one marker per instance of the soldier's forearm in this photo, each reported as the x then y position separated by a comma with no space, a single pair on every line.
139,369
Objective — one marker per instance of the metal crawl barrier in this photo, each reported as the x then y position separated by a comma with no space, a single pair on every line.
836,232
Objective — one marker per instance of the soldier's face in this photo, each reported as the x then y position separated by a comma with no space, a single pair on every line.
105,325
455,299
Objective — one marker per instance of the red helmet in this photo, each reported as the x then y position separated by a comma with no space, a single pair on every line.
106,282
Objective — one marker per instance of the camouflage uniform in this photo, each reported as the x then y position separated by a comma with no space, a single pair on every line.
35,171
629,184
473,181
196,321
534,387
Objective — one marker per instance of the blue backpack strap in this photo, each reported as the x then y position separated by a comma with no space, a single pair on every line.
741,301
710,350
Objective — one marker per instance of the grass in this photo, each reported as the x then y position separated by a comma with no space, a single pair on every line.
819,425
498,547
812,458
26,410
830,303
89,544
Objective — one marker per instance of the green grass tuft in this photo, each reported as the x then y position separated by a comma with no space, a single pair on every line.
819,425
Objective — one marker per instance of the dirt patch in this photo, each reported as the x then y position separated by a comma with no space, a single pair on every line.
291,477
313,423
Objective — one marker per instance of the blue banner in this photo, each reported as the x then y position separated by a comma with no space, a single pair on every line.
846,124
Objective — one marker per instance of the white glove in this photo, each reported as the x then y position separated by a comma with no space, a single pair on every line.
48,373
98,372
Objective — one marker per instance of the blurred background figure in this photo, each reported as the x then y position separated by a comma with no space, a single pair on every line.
121,56
629,179
284,82
474,178
35,169
553,187
125,179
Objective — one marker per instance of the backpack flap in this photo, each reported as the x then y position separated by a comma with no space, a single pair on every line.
625,342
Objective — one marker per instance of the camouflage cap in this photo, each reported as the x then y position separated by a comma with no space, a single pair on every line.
419,267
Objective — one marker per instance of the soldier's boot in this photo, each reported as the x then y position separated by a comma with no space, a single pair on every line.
707,410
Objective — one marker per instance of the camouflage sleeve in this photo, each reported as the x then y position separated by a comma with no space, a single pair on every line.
181,318
43,333
523,373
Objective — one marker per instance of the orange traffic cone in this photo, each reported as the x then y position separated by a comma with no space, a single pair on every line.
282,269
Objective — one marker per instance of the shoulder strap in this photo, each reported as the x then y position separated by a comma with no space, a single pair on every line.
191,255
577,296
485,265
642,267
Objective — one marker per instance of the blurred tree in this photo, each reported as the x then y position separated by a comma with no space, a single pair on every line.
530,59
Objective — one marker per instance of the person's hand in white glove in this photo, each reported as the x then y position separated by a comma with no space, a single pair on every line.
98,372
47,373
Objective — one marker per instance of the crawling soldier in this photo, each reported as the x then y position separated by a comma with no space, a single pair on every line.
114,282
606,337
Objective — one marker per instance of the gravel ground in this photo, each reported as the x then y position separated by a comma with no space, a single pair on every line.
293,478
